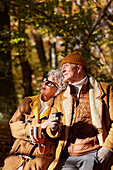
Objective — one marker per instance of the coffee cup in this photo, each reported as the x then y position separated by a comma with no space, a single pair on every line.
37,132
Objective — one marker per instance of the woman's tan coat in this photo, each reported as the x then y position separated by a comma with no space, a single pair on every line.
23,150
101,105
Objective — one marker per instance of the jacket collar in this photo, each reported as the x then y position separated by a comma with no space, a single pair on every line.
99,92
34,105
95,96
90,81
67,105
96,93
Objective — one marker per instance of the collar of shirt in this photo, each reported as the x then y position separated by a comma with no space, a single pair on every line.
43,106
79,85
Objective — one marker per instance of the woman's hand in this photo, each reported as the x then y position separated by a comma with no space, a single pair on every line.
37,140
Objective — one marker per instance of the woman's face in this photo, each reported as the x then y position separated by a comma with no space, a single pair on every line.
48,89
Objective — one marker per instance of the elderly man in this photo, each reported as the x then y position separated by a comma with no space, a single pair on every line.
29,152
86,128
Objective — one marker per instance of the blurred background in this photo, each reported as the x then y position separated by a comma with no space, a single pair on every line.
34,37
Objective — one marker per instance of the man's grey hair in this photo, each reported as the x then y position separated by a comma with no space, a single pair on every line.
58,79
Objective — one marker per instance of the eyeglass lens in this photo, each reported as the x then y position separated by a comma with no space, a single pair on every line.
48,82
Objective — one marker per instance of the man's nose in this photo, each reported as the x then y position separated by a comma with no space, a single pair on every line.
63,69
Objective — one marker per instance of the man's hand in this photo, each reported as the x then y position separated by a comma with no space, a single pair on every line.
25,105
104,154
54,122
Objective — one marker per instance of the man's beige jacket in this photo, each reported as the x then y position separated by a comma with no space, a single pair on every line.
101,105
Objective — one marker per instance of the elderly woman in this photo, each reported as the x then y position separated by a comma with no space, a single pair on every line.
29,152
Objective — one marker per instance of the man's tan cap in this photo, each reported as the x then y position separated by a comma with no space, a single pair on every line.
74,58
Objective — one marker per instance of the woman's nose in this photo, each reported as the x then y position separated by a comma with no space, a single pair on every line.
43,83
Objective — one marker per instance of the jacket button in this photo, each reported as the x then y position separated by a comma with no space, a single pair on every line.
27,113
28,136
28,121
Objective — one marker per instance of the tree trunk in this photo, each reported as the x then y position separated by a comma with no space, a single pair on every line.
53,57
26,73
26,69
40,50
7,92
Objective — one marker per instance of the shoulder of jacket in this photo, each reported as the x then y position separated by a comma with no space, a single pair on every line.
100,83
33,98
104,85
60,95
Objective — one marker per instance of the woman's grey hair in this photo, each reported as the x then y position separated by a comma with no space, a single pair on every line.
58,79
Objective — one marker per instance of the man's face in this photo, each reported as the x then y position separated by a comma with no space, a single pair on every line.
48,88
70,72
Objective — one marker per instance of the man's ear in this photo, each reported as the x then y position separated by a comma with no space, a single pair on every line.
79,67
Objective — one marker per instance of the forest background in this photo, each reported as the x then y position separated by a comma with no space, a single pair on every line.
34,37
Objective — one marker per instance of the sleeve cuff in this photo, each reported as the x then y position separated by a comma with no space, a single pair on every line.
55,135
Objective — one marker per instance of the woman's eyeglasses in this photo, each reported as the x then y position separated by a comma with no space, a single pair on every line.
49,83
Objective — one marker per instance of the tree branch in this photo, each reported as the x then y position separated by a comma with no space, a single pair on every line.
102,14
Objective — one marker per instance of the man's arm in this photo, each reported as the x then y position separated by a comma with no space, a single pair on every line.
107,150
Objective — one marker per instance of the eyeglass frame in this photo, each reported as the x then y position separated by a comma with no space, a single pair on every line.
46,81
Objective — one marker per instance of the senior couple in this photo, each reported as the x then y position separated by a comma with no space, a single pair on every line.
82,139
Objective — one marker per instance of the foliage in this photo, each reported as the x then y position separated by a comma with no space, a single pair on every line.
69,21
